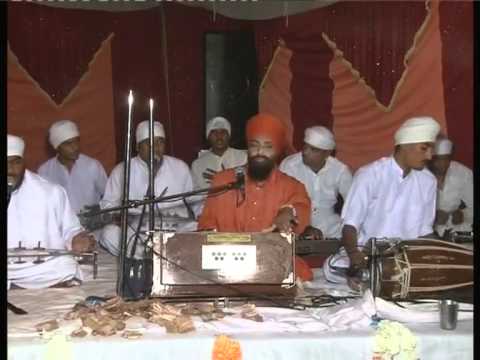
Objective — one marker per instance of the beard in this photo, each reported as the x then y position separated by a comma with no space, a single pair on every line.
436,171
14,182
74,156
69,156
157,163
260,167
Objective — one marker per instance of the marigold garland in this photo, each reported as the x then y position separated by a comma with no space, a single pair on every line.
225,348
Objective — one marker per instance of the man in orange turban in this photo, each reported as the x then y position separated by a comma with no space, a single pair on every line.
270,200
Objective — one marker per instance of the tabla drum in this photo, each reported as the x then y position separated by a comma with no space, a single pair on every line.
421,268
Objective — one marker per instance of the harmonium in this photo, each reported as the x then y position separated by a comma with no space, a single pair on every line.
315,252
215,264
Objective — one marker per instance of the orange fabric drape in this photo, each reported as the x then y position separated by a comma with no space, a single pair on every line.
363,127
274,94
31,110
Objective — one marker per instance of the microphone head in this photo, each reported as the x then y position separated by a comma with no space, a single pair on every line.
239,171
240,175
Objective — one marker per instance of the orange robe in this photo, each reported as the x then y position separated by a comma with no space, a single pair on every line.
255,210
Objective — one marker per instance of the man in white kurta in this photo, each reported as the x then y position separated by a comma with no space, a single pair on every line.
393,197
219,157
83,177
324,177
39,214
172,177
455,190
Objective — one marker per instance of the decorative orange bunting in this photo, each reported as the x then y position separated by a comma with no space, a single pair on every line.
225,348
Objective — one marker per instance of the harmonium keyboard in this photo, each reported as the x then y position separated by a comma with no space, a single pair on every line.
215,264
315,252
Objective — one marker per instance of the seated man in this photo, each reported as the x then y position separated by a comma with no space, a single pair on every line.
219,157
83,177
455,190
172,176
324,177
393,197
269,200
39,213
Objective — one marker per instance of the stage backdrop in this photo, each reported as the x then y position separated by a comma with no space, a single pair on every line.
31,109
357,67
400,74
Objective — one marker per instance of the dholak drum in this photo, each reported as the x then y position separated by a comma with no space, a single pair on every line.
421,268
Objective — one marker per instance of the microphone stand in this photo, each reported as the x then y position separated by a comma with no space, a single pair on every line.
124,287
136,203
125,201
139,282
151,182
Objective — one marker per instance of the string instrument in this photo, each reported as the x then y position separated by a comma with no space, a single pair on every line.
38,255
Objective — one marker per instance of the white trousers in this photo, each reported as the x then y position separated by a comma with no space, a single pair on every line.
110,239
38,276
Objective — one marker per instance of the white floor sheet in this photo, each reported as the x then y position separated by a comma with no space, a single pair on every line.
284,334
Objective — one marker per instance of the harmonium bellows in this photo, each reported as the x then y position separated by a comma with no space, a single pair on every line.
223,264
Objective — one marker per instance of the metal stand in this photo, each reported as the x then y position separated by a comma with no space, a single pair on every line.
151,200
373,267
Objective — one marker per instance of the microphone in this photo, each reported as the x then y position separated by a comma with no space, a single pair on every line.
240,183
240,178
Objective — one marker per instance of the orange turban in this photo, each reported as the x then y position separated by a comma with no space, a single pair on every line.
267,126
